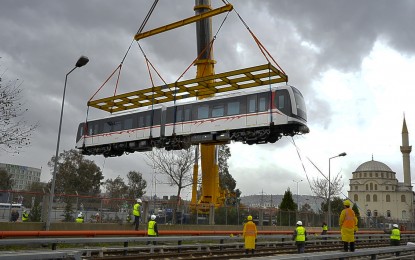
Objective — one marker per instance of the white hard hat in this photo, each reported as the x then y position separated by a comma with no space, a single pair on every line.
139,200
79,215
299,223
153,217
395,225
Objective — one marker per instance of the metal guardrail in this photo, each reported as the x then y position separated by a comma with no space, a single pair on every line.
196,242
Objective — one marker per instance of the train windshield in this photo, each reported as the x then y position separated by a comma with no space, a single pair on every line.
299,100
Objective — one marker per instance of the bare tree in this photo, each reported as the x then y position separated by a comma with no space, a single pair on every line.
14,130
177,165
320,187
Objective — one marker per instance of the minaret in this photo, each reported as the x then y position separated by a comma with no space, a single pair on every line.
406,150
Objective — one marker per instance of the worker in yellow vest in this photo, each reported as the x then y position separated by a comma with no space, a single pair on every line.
25,216
249,234
395,236
325,229
300,236
348,224
80,218
137,213
152,230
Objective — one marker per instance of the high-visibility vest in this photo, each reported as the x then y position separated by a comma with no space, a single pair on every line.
395,234
250,229
300,234
349,218
25,217
136,210
150,230
79,220
325,227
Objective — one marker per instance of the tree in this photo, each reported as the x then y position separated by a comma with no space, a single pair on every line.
226,182
76,174
287,207
6,181
355,208
116,188
14,131
320,187
177,166
136,184
35,214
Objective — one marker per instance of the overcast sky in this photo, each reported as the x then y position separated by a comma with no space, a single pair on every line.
353,61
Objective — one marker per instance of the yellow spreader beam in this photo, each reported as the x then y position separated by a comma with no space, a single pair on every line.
184,22
228,81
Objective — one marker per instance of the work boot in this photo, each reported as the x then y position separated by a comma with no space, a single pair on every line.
351,246
345,246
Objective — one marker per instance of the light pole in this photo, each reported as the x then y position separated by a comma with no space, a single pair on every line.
297,192
83,60
329,202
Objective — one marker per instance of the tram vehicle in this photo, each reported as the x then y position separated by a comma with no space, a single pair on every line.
251,117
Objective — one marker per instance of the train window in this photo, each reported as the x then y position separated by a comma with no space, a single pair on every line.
148,119
141,121
128,123
179,114
218,110
187,113
107,127
252,104
203,111
233,108
116,126
281,103
263,102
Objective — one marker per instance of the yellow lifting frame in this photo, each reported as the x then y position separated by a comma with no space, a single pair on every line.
184,22
228,81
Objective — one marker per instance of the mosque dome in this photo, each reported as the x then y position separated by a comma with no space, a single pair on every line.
373,166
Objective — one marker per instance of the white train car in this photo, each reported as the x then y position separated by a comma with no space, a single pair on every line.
250,117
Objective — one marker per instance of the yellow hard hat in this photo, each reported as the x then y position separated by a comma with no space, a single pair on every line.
347,203
249,217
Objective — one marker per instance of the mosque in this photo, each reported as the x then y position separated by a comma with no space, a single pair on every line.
378,193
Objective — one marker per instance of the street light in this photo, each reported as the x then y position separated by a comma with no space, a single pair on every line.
329,202
297,192
83,60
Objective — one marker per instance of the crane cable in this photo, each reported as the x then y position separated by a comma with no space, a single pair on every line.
309,183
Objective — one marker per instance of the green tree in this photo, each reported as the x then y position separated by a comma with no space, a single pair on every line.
226,182
76,174
287,208
136,184
15,132
116,188
35,214
336,209
355,208
6,181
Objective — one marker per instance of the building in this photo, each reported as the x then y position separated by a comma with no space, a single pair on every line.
22,176
378,193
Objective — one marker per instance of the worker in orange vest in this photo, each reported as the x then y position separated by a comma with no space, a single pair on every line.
348,223
249,234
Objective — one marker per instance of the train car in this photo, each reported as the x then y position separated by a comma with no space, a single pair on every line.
251,117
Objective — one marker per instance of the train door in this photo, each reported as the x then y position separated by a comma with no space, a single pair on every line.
251,110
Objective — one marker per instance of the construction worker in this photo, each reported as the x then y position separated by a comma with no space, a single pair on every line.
325,229
395,236
249,234
137,213
348,224
25,216
300,236
152,230
80,218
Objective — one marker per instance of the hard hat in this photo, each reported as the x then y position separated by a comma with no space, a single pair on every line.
395,225
153,217
80,215
139,200
347,203
249,217
299,223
